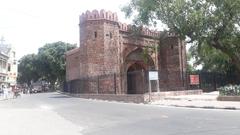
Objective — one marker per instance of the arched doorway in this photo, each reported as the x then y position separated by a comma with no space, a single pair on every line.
136,68
136,79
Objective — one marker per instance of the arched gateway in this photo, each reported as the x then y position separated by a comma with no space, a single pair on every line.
137,67
110,59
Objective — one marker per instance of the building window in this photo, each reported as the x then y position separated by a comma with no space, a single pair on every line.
95,34
107,15
9,67
110,35
14,62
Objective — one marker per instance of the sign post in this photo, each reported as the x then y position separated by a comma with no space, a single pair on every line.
194,80
153,75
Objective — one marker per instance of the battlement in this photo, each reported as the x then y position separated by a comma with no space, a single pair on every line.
96,15
145,31
112,16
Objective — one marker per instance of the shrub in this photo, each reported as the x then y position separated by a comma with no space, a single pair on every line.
230,90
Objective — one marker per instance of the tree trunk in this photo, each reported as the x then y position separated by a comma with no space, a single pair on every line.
61,85
236,62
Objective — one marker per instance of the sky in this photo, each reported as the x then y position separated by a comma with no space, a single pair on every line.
30,24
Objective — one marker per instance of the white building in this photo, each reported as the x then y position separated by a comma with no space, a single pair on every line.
11,63
3,69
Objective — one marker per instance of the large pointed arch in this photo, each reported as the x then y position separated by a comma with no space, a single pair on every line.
136,67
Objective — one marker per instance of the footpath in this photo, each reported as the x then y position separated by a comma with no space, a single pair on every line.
205,100
1,97
10,96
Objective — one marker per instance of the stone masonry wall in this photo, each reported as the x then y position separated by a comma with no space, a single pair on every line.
171,64
105,44
92,47
72,65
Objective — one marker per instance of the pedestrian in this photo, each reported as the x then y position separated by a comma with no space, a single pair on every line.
16,93
5,92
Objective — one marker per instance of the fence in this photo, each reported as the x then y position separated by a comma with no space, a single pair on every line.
136,82
210,81
102,84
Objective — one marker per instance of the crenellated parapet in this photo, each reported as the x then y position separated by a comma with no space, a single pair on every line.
124,26
112,16
151,33
96,15
144,31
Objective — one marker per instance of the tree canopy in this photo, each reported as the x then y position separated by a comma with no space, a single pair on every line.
27,68
212,26
48,64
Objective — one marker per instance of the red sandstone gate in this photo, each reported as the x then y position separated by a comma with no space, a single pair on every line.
108,52
136,68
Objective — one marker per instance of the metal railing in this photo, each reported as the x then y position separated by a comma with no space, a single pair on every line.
136,82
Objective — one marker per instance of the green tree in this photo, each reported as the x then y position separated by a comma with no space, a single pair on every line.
52,62
212,26
27,69
212,60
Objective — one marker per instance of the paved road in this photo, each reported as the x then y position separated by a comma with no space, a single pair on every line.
56,114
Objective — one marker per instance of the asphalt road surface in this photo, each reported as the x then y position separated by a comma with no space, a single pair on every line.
56,114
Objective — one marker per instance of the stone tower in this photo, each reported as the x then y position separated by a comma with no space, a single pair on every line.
172,63
99,41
